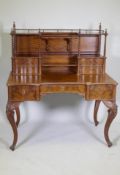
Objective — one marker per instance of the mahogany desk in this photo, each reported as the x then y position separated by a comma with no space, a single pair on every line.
59,61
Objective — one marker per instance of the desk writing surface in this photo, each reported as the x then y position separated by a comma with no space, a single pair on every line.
60,78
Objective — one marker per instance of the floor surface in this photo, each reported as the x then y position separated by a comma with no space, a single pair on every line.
60,148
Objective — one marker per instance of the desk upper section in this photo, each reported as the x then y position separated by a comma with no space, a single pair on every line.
69,51
36,42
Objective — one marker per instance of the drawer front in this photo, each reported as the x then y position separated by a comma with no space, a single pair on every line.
92,61
91,69
101,92
21,93
62,89
25,65
91,66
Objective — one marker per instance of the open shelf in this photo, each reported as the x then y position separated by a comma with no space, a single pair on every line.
61,65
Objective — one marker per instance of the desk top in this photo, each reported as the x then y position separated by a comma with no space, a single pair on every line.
60,78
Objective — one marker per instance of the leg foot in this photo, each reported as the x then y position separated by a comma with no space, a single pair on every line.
96,123
109,144
12,147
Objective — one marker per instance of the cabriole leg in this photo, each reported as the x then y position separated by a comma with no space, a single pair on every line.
112,112
17,114
96,107
10,111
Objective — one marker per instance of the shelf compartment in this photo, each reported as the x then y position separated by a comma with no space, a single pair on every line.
58,69
59,59
59,65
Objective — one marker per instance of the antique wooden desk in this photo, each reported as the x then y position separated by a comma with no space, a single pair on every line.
59,61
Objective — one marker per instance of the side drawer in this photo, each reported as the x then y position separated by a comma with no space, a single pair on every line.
25,65
100,91
62,89
92,65
91,69
23,93
92,61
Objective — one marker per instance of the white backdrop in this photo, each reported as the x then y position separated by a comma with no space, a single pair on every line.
58,14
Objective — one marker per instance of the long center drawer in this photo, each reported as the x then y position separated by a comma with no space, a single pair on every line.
62,88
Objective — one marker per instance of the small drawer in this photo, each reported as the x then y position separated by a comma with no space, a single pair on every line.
100,92
62,89
92,61
50,89
21,93
75,88
91,69
25,65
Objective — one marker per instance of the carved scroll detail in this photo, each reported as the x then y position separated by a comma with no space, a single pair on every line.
11,108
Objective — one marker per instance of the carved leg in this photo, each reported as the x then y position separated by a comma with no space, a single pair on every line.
10,110
17,114
96,107
112,112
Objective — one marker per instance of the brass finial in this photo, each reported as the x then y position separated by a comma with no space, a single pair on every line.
14,26
100,26
106,32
